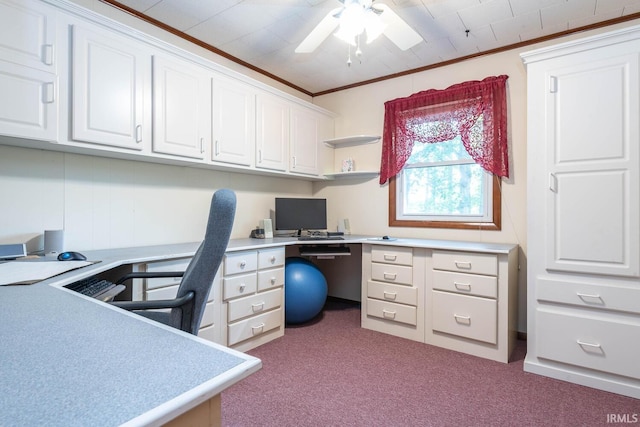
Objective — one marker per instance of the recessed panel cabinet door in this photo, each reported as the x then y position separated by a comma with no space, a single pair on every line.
33,47
181,108
234,121
304,141
111,81
593,160
272,132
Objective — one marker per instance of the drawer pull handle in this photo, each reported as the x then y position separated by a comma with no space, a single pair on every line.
243,264
257,307
273,280
462,286
388,314
389,295
242,288
464,265
272,259
463,320
258,329
590,298
389,276
589,347
390,257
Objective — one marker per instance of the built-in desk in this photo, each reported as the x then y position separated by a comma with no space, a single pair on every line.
70,360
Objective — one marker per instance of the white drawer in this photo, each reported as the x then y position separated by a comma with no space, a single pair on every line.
208,333
269,279
162,266
392,273
237,286
465,316
599,344
254,326
208,317
393,293
392,255
391,311
240,262
168,292
268,258
470,284
255,304
607,297
466,262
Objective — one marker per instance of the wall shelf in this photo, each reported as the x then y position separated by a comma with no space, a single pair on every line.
349,141
352,175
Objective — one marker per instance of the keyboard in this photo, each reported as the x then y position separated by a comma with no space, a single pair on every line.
96,288
307,238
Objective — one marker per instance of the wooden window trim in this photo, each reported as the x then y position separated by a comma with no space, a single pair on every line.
495,225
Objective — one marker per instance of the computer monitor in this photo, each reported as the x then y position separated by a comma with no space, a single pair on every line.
297,214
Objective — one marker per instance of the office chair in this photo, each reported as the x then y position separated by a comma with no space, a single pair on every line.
188,306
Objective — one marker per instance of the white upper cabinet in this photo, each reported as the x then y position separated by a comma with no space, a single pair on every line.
592,165
234,121
28,81
272,132
181,107
305,130
27,34
111,95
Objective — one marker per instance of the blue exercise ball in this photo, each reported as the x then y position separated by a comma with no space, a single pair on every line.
305,290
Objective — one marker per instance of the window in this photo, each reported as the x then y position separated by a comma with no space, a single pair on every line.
443,154
441,186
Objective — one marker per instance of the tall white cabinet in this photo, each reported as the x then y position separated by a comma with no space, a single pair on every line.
583,211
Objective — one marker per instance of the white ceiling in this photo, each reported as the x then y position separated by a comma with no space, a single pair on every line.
265,33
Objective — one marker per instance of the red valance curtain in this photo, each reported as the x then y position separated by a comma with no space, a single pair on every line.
475,110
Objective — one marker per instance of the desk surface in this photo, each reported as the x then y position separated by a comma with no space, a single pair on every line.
70,360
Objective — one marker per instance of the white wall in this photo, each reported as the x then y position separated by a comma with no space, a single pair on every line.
109,203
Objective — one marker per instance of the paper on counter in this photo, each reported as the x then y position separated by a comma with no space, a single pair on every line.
31,271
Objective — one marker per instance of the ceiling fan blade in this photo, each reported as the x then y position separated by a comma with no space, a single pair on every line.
397,30
328,24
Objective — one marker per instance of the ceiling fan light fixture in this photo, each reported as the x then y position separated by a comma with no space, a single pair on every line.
373,26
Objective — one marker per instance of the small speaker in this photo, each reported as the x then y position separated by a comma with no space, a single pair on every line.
267,226
343,226
53,241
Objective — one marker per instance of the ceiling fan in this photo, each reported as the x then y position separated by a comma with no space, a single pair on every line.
357,17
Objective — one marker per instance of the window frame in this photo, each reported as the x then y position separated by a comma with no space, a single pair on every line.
494,225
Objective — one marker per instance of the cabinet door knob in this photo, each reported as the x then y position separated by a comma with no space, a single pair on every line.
389,276
464,320
462,286
390,295
387,314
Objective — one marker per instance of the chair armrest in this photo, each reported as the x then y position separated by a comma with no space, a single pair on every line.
149,275
153,305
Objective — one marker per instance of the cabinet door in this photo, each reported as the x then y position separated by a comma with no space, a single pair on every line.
29,108
592,161
234,122
304,141
33,48
111,101
181,108
272,132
